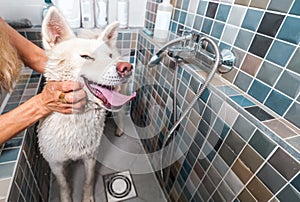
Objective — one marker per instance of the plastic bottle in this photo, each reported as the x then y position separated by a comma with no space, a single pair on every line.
87,13
71,10
163,19
101,13
122,13
46,7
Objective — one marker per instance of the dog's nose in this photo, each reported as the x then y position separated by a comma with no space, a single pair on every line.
124,68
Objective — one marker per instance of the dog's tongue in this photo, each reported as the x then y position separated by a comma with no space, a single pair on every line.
114,98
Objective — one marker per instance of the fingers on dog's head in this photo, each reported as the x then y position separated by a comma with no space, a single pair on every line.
67,86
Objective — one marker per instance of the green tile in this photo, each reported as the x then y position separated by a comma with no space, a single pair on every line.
262,144
289,194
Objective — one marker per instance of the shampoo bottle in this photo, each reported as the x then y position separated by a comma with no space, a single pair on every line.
101,13
122,13
71,10
46,7
87,13
163,19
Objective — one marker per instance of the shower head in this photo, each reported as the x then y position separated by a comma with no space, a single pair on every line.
156,58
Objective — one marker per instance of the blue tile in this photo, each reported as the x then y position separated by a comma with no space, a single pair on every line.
278,102
182,17
187,166
221,128
16,142
176,15
251,19
174,27
290,31
243,81
228,90
198,23
295,8
243,39
259,91
6,170
186,77
223,12
185,4
207,24
205,95
242,101
296,182
280,53
202,7
217,29
9,155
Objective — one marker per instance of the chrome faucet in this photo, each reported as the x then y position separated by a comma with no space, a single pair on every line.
187,47
156,58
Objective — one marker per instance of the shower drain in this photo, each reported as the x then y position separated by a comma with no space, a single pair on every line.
119,186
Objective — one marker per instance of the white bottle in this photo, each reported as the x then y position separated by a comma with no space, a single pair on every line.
163,19
87,13
122,13
101,13
71,10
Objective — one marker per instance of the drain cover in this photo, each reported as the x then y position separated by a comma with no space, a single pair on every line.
119,186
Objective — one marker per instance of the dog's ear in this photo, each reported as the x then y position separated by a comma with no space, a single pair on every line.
55,29
110,34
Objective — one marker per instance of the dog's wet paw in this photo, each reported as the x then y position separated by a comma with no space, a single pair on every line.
119,132
88,199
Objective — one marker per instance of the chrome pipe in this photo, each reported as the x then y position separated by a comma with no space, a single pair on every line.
197,96
156,58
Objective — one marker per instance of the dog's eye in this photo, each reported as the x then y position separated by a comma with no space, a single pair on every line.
87,57
110,55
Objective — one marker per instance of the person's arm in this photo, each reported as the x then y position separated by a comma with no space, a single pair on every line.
18,119
31,55
41,105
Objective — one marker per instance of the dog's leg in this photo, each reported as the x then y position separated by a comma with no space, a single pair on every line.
119,132
88,192
120,125
58,171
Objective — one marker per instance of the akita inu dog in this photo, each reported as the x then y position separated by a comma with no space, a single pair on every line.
95,63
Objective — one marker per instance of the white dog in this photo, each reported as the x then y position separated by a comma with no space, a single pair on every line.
94,62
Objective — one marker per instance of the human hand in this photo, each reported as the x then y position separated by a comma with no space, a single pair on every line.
63,96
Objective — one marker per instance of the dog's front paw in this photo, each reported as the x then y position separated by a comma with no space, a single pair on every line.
65,197
88,195
119,132
88,199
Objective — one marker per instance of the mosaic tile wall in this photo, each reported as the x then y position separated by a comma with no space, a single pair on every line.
247,123
264,35
228,154
24,175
